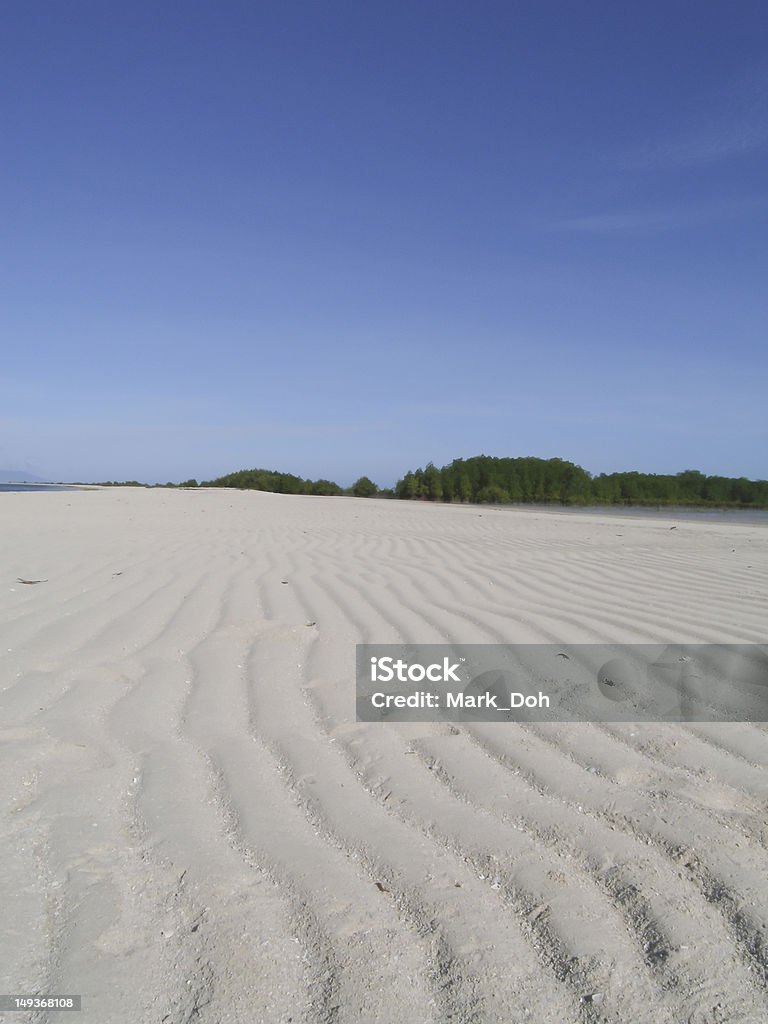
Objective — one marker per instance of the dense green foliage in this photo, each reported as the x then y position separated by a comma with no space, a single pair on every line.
486,479
364,488
325,487
271,480
120,483
498,481
688,488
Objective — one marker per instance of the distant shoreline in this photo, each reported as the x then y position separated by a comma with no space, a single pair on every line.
690,513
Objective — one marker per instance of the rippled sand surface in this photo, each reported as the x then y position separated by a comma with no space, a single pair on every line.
194,828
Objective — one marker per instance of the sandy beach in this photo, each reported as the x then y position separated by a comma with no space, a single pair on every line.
195,829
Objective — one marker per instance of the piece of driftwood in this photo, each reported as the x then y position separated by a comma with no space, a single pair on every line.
30,582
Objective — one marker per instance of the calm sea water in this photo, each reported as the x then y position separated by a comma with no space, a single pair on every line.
751,517
36,487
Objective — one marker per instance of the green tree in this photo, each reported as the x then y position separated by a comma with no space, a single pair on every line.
406,488
433,485
326,487
492,494
364,488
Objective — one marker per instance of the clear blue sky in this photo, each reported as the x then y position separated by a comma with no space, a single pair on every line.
342,238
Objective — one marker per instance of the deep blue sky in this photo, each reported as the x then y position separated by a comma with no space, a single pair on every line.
344,237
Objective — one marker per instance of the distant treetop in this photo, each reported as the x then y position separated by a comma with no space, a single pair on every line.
499,481
272,480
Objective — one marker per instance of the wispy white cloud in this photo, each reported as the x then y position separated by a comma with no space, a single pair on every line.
705,144
672,217
731,124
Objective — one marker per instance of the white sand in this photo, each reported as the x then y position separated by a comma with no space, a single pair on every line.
193,825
